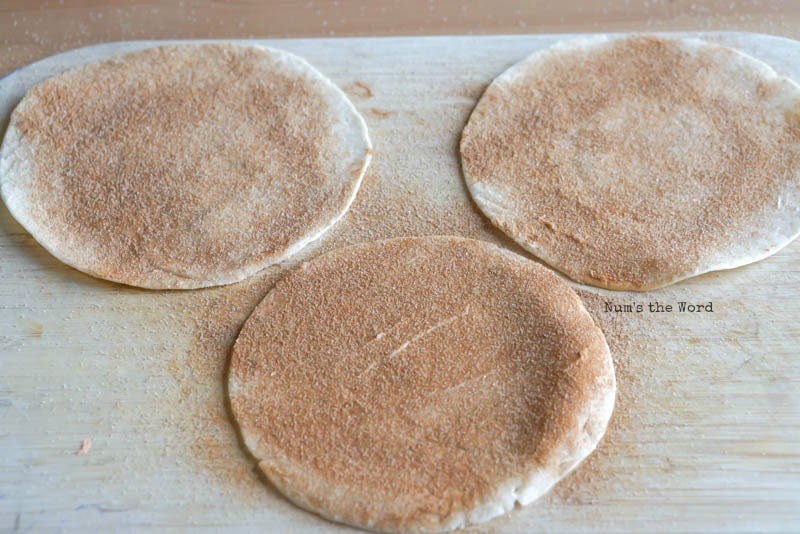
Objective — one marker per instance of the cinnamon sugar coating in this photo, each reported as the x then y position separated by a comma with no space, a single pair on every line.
182,166
420,383
637,162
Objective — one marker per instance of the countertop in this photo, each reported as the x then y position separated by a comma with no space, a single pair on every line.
31,30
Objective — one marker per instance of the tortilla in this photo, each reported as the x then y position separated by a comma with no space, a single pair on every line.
182,166
420,383
636,162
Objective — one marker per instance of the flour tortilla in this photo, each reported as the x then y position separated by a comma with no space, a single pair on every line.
182,166
420,384
633,163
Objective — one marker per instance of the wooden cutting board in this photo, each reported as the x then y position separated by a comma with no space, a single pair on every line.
706,431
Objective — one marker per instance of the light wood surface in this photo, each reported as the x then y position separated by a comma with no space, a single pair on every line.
706,430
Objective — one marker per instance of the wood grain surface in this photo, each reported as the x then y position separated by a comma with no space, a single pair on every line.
706,430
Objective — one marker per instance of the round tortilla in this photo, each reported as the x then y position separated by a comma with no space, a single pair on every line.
420,383
637,162
182,166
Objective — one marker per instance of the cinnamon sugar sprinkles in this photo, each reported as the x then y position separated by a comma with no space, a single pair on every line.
414,383
420,384
637,162
182,166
